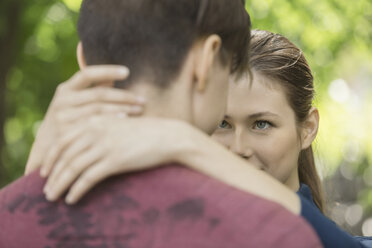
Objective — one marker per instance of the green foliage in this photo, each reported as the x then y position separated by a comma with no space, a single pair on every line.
335,37
45,57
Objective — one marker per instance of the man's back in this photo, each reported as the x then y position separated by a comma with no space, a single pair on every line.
167,207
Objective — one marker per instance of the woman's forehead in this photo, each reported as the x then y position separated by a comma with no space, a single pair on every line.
259,95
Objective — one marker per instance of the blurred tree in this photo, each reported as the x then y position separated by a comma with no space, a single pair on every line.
37,44
10,15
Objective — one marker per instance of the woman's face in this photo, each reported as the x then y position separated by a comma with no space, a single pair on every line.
260,126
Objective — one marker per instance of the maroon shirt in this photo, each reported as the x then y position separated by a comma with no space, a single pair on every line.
167,207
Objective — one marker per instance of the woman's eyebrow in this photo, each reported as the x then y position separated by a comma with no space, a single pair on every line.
256,115
261,114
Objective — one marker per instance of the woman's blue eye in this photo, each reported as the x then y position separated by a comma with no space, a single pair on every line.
262,125
224,124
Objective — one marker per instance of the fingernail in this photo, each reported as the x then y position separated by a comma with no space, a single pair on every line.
141,99
70,199
122,115
123,71
46,189
43,172
136,109
50,196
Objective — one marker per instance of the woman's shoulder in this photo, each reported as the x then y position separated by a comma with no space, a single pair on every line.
327,230
305,192
366,241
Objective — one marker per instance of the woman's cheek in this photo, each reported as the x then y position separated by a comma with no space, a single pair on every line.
272,153
284,158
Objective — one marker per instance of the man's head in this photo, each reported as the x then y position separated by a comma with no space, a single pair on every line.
162,41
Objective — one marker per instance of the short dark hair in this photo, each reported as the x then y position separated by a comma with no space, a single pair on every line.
152,37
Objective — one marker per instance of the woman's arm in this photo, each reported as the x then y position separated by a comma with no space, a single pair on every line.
207,156
124,145
329,233
80,139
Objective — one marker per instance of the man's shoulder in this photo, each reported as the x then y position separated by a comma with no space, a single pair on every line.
171,205
15,193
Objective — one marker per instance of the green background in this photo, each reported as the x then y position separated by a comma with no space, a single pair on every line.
37,52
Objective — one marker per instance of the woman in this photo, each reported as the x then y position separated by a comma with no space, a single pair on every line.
270,122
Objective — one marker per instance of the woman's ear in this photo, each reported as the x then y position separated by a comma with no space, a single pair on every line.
310,128
80,55
204,61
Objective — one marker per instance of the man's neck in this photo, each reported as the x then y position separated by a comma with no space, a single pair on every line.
173,102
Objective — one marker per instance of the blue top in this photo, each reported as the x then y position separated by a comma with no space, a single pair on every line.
329,233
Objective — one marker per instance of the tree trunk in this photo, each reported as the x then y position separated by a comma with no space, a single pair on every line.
8,51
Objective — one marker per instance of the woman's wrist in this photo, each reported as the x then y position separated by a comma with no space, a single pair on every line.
187,142
188,146
205,155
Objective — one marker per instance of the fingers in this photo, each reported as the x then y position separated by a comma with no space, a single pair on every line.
86,181
34,160
37,153
83,112
55,151
94,74
98,94
79,146
68,173
31,165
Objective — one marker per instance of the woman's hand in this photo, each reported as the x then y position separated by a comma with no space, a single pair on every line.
104,146
76,99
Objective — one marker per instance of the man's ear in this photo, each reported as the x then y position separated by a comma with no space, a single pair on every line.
204,61
80,55
310,128
82,64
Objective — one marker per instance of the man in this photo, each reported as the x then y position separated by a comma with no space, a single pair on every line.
180,54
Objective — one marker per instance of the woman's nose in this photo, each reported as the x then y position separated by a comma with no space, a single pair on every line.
241,145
